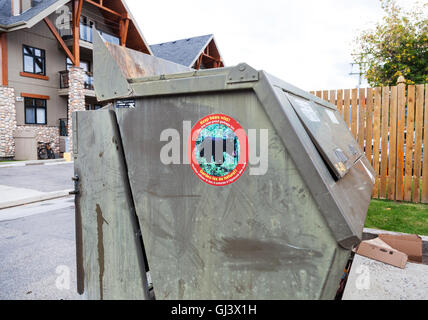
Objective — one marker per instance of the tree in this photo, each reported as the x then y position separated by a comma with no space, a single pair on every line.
397,46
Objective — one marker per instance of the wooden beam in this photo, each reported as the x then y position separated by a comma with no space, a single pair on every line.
77,11
4,64
59,39
101,6
198,63
211,57
34,96
123,27
34,76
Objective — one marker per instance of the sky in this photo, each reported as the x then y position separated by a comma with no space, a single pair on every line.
307,43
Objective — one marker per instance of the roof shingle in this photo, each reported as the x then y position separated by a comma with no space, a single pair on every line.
7,19
183,52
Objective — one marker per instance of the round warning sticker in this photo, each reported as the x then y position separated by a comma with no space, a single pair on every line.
218,150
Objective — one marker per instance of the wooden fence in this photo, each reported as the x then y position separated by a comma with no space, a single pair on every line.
391,126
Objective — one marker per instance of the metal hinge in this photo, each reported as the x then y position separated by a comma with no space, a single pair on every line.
76,190
242,73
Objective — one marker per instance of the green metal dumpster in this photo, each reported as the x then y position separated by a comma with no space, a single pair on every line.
273,215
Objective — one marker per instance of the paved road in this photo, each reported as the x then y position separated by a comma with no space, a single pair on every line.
43,178
37,251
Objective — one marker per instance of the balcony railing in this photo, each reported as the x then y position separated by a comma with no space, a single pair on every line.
86,35
64,80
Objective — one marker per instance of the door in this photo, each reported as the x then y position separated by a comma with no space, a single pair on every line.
110,254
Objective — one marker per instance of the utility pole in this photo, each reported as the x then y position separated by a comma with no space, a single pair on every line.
358,68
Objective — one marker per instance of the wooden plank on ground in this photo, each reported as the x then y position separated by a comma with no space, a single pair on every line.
401,126
376,138
354,113
369,125
409,134
384,143
362,118
392,150
346,106
339,103
419,121
424,198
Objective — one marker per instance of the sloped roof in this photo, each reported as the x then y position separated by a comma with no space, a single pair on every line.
43,8
184,52
7,19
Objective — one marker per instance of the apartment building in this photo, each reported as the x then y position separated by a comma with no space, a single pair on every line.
46,65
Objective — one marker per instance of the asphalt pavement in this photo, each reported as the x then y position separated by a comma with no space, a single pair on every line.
44,178
37,251
37,241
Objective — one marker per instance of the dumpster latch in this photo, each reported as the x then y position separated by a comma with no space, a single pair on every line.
76,190
242,73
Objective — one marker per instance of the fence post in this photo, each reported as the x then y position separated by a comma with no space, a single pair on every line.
401,119
419,125
410,161
425,156
384,145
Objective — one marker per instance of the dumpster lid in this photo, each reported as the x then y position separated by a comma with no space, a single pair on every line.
120,64
329,133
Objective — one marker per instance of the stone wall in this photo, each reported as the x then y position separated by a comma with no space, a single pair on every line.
76,98
8,126
44,134
7,122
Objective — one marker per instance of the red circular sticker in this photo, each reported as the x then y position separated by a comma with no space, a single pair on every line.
218,150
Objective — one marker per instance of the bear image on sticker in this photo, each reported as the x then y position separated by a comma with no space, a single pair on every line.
213,149
217,150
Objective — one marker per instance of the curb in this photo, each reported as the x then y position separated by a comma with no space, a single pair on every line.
368,232
39,198
34,163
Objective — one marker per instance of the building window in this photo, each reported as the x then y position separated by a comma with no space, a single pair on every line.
83,64
34,60
86,27
87,77
35,111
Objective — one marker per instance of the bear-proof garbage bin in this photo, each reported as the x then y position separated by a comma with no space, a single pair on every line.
222,184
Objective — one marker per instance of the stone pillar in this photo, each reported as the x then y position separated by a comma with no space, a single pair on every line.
76,98
7,122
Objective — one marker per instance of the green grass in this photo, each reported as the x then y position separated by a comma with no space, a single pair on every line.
8,161
398,216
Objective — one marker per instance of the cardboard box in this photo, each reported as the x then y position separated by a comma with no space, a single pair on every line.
379,250
410,244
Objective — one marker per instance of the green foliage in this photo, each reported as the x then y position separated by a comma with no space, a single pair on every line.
397,46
